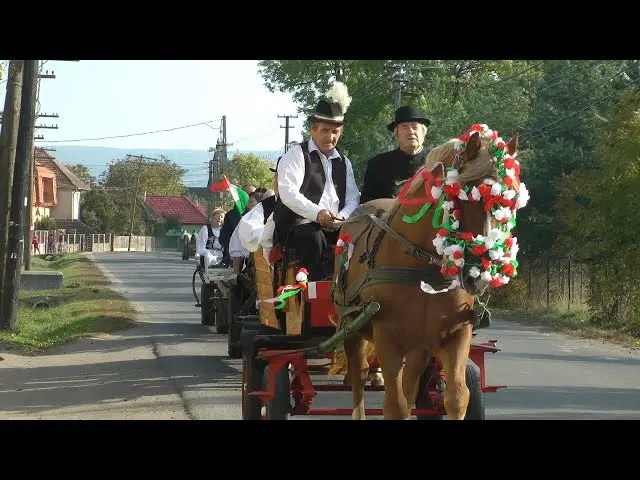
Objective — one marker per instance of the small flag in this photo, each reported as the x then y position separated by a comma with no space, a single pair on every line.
240,197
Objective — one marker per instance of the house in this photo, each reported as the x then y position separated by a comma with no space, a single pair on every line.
56,193
191,215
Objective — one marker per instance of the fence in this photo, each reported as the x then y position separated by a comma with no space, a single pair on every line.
55,242
547,281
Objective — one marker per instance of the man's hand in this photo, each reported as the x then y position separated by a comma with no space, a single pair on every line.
324,218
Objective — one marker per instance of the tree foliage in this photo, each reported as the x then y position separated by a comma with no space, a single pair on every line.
108,207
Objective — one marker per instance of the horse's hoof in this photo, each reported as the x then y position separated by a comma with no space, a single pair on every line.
375,377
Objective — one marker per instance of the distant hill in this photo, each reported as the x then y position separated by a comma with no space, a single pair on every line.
194,161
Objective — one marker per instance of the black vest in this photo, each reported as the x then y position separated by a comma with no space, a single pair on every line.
312,187
211,240
268,205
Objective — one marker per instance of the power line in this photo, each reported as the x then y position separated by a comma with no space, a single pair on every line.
131,134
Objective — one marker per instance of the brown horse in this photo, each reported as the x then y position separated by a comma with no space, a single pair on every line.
397,247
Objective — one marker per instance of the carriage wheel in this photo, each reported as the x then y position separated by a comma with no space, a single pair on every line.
222,313
208,307
476,408
252,374
279,407
196,290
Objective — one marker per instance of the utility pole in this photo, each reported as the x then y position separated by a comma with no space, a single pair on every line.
24,152
286,131
8,141
30,182
135,195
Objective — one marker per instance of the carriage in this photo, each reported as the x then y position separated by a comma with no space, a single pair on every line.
413,306
284,350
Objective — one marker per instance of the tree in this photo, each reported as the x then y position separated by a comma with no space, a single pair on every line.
106,208
244,169
83,173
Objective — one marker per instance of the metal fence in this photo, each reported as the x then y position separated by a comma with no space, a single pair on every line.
56,242
547,281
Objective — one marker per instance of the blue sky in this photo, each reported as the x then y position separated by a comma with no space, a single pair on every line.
100,98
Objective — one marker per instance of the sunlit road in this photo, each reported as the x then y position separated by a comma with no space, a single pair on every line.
171,366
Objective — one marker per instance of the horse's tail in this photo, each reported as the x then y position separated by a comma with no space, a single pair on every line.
340,363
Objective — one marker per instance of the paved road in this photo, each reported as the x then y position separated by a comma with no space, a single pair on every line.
172,367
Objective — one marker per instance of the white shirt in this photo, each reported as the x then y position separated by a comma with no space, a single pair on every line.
251,227
215,254
291,175
235,246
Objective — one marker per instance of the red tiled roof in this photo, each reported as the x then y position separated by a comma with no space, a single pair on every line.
188,213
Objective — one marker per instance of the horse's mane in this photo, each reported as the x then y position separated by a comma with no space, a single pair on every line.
480,168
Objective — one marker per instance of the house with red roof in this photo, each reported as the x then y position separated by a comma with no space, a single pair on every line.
190,214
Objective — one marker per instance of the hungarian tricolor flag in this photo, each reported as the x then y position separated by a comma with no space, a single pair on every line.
240,197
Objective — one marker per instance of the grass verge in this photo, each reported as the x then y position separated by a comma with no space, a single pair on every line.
84,306
560,319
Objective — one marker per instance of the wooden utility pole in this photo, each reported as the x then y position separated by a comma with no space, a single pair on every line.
286,131
30,182
24,152
135,201
8,141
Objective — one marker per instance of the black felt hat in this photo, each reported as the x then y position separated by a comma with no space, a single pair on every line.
332,108
408,114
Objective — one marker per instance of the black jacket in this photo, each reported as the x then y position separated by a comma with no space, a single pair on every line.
231,220
385,170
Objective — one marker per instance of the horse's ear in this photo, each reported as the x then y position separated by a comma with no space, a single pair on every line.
472,149
438,170
512,145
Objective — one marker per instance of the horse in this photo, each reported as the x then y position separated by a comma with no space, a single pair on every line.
425,273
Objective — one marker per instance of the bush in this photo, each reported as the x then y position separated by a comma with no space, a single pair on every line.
46,223
513,295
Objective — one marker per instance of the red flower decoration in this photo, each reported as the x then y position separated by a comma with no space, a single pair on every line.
339,249
457,255
452,190
443,232
466,236
345,237
508,269
495,282
486,263
478,250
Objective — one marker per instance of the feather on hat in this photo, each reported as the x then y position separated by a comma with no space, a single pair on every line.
333,108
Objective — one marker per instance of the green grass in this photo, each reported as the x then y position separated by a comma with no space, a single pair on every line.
573,321
85,306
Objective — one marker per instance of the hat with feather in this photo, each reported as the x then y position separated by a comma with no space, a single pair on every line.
332,108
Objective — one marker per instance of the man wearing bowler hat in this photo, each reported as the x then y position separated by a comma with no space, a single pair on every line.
386,171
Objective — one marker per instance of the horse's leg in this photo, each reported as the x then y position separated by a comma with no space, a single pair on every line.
415,363
391,360
357,371
454,356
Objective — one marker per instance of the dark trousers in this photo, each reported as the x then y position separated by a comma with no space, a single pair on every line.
312,245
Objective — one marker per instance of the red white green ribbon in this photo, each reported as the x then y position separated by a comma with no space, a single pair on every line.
344,248
286,291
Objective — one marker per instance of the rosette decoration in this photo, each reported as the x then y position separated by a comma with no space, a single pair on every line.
286,291
344,247
499,248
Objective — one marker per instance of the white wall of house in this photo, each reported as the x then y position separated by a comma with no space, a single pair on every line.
68,205
38,213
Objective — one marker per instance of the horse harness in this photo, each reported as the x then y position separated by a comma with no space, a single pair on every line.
351,300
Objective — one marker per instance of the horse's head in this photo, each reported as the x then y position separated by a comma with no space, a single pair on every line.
474,183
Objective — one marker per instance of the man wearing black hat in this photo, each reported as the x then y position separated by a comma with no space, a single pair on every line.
316,186
386,172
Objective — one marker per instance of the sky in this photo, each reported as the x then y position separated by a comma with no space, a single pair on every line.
105,98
